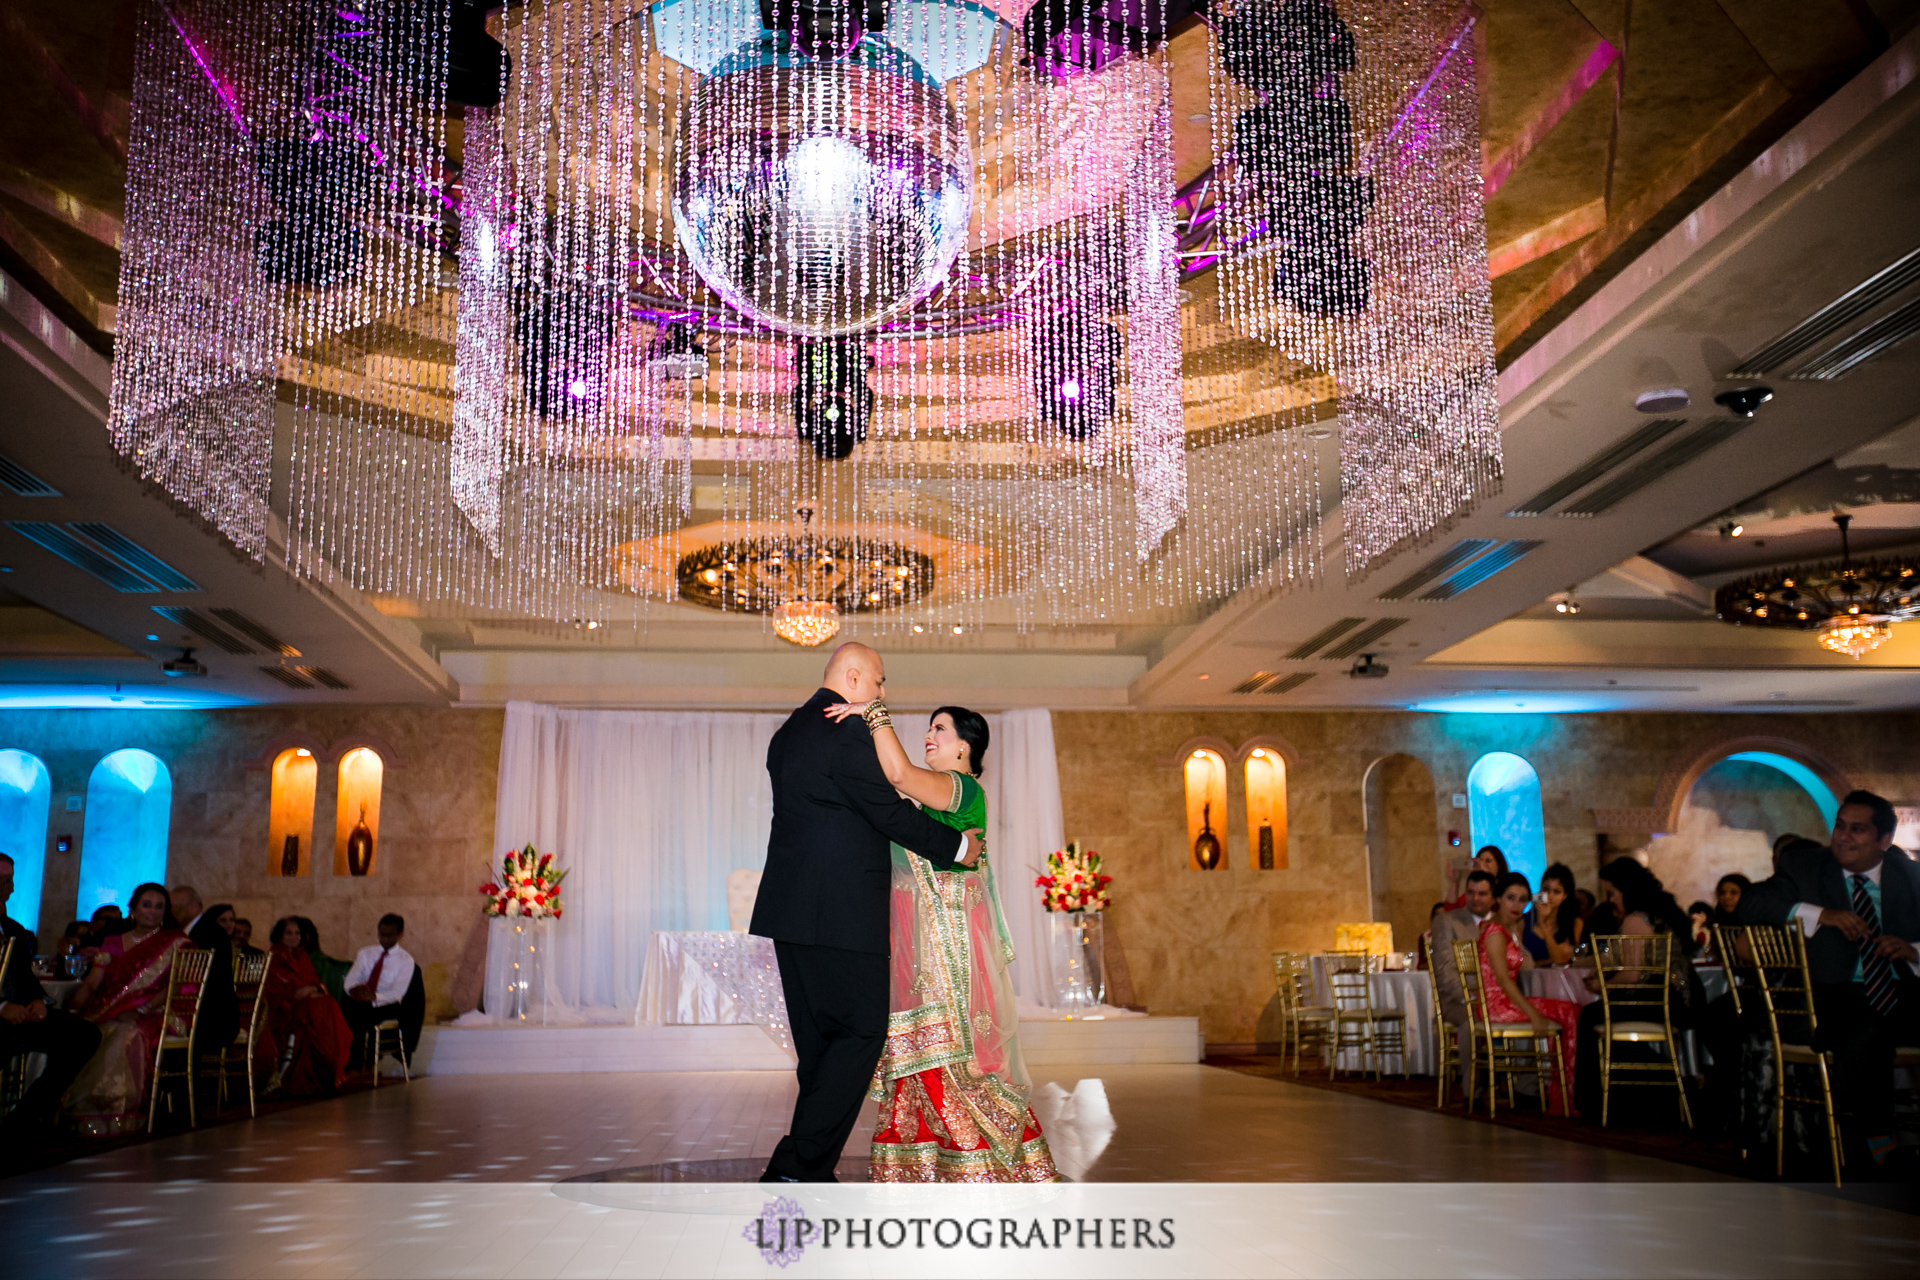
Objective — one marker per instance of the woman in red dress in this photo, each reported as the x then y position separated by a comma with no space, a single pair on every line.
1503,958
125,995
306,1027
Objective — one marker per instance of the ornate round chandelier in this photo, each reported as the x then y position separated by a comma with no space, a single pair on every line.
1851,605
807,583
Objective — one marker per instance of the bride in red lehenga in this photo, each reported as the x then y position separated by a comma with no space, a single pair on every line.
952,1089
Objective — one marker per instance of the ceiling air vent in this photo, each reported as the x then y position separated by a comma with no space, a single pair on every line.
1256,682
1883,335
1598,465
1661,464
254,631
136,556
1326,635
23,481
287,676
1287,684
322,676
1461,552
1507,553
204,627
82,555
1364,637
1272,682
1830,319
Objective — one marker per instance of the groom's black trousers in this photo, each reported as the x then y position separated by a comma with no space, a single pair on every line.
837,1005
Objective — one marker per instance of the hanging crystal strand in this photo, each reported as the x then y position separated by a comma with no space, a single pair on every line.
193,374
1153,332
485,328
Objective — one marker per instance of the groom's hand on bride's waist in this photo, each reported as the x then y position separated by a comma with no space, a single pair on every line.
976,843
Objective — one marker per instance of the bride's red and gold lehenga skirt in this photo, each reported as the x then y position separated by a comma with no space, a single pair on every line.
950,1084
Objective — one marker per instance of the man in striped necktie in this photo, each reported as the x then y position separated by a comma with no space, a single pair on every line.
1858,902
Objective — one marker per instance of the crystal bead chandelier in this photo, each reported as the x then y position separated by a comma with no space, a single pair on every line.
681,272
1851,605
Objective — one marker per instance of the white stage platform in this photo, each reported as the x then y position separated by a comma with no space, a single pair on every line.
527,1050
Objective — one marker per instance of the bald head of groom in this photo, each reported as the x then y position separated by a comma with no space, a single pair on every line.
856,673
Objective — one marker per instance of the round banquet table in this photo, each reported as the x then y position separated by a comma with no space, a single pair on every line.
1408,991
1557,984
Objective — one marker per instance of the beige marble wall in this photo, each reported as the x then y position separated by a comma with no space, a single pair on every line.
1197,943
436,815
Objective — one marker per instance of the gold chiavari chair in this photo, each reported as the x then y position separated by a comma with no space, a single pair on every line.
1508,1048
1777,957
1358,1023
381,1037
1446,1037
1637,1012
249,981
1302,1022
186,983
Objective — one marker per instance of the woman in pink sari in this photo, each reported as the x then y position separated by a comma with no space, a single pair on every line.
125,995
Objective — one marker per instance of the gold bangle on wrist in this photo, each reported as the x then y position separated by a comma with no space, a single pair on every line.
875,714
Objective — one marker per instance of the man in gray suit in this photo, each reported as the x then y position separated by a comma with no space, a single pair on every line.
1858,903
1459,925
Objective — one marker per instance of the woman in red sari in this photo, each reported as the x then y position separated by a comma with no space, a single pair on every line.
125,995
306,1028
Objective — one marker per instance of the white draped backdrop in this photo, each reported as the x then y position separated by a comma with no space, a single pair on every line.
650,811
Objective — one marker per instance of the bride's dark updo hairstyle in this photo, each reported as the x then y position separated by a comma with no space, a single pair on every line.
972,728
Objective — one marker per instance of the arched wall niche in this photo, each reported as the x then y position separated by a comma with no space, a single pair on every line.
360,779
1204,773
1504,809
26,795
294,783
1405,862
123,840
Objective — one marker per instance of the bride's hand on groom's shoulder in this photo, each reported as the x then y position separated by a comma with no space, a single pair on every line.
841,710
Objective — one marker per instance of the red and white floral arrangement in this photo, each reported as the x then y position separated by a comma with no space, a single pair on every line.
1073,881
528,885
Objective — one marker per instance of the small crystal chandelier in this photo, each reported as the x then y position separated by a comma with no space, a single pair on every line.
1855,637
1851,606
806,622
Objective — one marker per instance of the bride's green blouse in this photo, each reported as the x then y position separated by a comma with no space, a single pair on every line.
967,809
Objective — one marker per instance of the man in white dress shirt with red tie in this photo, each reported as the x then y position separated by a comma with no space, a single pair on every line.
378,982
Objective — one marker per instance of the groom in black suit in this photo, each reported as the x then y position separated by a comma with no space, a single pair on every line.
824,901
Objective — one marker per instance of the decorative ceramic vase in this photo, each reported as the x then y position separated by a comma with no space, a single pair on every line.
360,845
290,856
1206,845
1079,952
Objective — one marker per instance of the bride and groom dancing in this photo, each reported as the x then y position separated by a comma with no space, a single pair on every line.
893,954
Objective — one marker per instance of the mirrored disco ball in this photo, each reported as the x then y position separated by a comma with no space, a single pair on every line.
822,197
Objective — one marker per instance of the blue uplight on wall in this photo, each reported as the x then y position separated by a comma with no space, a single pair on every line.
1809,781
124,842
1503,808
25,791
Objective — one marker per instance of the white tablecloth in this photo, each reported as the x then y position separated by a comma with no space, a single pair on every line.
1405,990
713,979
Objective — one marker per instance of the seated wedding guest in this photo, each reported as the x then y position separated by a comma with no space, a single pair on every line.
1487,858
1726,898
74,938
1503,959
243,937
124,995
1636,898
184,905
1554,921
1454,926
106,922
219,1006
28,1025
307,1035
1860,912
332,970
378,981
1700,918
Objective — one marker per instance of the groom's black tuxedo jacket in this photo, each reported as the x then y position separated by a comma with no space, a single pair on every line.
834,812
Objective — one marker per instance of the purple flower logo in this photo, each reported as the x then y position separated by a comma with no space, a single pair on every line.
777,1233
